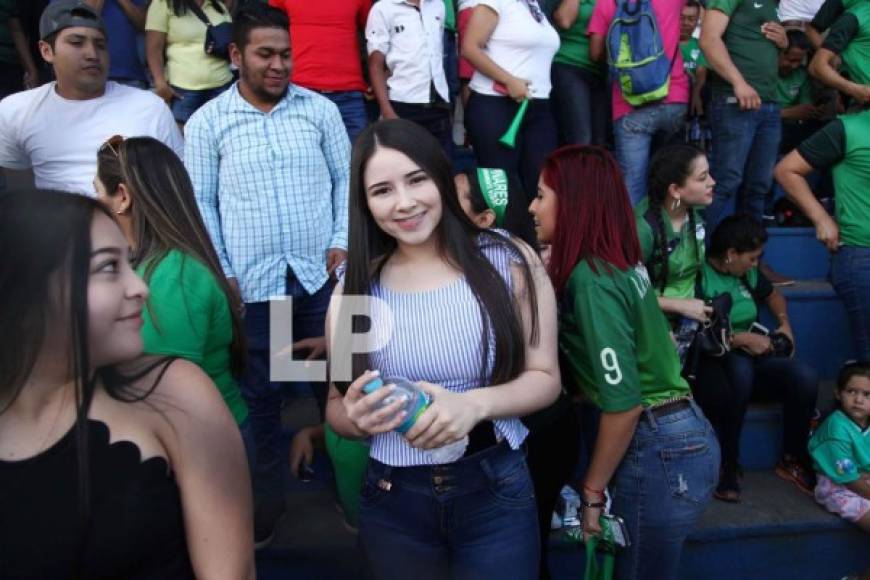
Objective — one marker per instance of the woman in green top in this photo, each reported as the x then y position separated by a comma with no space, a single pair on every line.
581,99
671,231
192,313
654,449
842,146
725,385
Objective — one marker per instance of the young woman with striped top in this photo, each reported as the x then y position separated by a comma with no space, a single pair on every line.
474,324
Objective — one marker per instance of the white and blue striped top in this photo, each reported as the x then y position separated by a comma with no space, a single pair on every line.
437,337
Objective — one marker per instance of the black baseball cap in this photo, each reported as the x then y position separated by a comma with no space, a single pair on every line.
66,14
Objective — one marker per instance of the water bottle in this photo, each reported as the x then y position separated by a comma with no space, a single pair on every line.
415,402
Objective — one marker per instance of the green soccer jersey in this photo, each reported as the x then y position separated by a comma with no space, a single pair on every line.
852,182
188,316
686,249
755,56
794,89
856,55
843,145
744,310
692,56
840,449
615,340
574,42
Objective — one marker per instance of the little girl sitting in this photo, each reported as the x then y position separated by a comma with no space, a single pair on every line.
840,449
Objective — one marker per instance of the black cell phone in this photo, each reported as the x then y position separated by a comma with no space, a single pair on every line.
757,328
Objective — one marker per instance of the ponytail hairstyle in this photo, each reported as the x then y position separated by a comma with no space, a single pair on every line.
671,165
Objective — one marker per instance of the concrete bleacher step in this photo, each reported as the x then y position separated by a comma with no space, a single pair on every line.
820,324
761,440
795,252
774,533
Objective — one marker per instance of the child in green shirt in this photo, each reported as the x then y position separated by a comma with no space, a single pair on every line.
840,449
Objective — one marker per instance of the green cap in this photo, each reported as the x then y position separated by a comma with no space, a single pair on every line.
494,187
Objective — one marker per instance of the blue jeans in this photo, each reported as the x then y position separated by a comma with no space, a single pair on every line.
745,146
661,487
264,396
637,134
850,274
725,386
190,101
468,520
352,107
581,105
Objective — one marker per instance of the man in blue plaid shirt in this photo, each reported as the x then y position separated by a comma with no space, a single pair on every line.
270,166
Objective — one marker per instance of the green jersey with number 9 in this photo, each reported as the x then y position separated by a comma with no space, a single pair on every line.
615,340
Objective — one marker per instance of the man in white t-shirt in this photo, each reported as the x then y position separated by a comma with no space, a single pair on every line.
58,128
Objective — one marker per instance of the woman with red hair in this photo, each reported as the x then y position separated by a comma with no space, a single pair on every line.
655,450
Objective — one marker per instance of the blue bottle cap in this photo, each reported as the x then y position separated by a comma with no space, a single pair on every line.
373,385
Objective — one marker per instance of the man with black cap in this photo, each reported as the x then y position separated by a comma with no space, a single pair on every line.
58,128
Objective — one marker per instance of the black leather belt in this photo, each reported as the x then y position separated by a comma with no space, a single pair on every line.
671,407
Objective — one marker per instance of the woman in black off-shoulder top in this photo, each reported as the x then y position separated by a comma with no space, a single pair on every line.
111,465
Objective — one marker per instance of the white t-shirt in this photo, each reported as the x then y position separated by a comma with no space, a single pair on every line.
60,138
520,45
803,10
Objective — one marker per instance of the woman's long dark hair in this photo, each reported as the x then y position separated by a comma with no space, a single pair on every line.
45,255
180,7
166,217
594,218
457,237
671,165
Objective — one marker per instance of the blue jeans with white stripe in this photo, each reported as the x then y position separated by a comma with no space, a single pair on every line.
472,519
660,489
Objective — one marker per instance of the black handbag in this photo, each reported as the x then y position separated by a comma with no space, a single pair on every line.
217,37
713,337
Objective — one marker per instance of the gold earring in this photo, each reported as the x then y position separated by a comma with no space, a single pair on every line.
675,204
